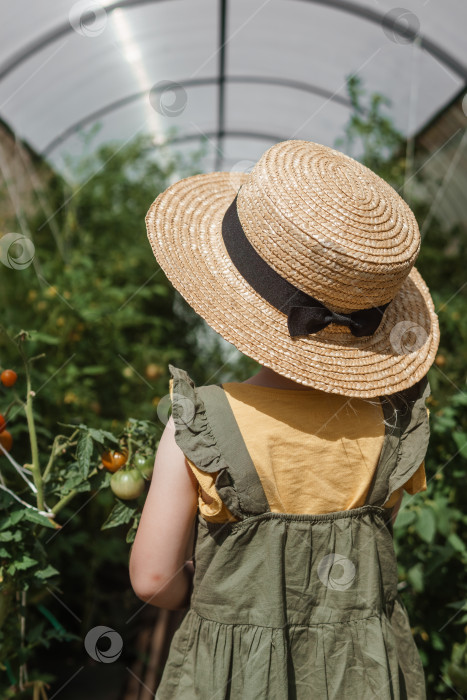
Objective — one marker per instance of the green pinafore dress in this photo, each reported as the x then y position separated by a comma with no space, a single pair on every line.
292,606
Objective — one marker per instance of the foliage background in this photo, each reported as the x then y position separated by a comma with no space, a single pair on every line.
109,323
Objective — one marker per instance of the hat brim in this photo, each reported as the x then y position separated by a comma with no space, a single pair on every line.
184,227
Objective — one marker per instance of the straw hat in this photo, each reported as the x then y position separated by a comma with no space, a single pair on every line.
277,259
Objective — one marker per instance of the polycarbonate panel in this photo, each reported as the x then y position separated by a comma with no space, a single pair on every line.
78,75
24,22
104,70
437,21
319,45
284,112
242,153
138,118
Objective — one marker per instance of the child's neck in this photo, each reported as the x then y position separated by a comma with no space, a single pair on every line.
267,377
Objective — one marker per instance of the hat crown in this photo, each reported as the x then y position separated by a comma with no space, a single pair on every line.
329,225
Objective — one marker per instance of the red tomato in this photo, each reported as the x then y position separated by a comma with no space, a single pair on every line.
8,377
2,423
6,441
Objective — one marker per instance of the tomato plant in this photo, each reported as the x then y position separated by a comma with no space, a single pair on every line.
8,377
127,484
65,467
113,460
53,470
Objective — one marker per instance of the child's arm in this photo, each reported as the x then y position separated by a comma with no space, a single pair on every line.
165,533
397,505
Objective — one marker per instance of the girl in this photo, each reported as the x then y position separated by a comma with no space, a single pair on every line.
269,517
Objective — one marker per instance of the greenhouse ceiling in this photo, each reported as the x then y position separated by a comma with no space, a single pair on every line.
244,73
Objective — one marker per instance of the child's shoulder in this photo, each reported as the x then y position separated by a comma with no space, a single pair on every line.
182,376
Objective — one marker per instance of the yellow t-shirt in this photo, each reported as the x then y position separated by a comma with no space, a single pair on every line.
327,447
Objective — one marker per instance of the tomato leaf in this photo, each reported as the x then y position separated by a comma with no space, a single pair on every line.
131,534
120,514
461,441
9,536
415,576
82,426
13,518
426,524
94,369
75,482
25,562
405,517
43,337
109,436
34,517
84,452
456,542
102,435
47,572
101,480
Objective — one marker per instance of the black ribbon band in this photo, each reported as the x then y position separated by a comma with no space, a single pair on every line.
304,313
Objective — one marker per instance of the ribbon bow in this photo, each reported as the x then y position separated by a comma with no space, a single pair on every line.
304,319
307,315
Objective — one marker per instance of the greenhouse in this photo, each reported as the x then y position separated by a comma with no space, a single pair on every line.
233,417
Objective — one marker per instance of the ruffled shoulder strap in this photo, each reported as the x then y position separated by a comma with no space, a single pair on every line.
415,436
208,434
405,443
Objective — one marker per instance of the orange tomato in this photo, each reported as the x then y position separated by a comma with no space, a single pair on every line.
153,371
6,441
113,460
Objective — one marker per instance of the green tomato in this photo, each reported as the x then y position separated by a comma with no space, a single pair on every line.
127,484
145,465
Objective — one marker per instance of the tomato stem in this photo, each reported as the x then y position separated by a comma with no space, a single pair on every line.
36,469
15,401
63,501
69,496
36,357
56,449
130,449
